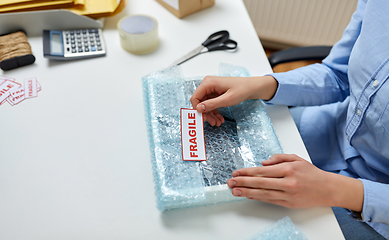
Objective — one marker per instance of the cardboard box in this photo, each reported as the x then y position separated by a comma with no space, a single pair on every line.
182,8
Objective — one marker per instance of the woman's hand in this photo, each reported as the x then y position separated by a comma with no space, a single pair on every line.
290,181
215,92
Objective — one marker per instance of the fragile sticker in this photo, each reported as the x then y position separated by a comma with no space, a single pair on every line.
30,88
6,87
14,93
3,79
192,135
16,96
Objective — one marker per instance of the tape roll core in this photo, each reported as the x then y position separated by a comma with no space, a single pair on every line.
138,33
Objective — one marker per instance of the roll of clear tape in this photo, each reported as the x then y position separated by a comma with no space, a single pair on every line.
138,33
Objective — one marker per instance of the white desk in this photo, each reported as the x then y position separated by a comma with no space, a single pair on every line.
75,164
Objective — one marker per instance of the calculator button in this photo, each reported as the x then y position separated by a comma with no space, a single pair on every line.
74,50
99,48
80,50
73,45
92,44
86,49
78,31
92,49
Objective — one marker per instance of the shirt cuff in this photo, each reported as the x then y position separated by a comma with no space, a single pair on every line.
375,206
286,93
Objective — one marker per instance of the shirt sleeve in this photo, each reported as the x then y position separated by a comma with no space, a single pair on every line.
323,83
375,202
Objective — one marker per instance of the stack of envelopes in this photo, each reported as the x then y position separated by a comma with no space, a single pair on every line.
90,8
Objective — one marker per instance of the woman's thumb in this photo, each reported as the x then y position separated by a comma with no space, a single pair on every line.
210,104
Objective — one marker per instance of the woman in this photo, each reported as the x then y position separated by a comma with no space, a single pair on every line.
345,127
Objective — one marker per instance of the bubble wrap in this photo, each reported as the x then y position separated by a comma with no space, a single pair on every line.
282,229
244,140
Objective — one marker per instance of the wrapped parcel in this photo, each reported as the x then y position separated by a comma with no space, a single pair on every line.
245,139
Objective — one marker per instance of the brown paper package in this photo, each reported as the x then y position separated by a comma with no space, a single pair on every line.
187,7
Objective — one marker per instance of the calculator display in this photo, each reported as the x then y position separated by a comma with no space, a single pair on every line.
56,43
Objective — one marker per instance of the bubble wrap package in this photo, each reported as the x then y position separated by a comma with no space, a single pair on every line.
244,140
282,229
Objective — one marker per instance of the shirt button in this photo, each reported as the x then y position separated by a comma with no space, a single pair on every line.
375,83
358,112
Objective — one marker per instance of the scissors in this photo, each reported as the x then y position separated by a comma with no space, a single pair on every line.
216,41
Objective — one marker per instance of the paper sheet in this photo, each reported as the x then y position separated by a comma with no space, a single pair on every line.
33,4
94,8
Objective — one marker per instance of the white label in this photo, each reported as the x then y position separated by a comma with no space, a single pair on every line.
3,79
192,135
14,93
30,88
16,96
6,87
173,3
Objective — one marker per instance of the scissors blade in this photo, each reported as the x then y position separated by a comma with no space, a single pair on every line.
188,56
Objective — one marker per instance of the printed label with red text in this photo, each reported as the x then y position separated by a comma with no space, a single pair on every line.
192,135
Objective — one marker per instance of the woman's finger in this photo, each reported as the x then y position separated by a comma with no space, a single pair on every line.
209,89
212,119
272,171
265,194
280,158
219,116
256,182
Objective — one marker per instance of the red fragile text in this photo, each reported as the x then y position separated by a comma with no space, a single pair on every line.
192,135
5,89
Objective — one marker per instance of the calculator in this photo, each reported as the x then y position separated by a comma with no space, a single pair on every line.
73,44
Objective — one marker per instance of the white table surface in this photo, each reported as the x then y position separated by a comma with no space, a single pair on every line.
75,161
